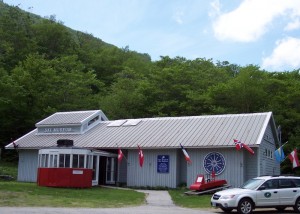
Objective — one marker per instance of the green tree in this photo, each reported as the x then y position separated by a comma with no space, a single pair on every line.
53,39
16,35
244,93
127,96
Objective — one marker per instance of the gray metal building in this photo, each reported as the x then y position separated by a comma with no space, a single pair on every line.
207,139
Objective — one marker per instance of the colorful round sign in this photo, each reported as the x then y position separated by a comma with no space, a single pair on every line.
214,162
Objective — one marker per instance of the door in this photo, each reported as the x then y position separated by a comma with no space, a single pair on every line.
269,196
111,170
287,191
102,170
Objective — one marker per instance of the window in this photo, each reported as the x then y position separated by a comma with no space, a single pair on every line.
64,160
53,161
43,160
297,182
268,153
110,170
75,161
81,161
78,161
271,184
286,183
67,161
93,120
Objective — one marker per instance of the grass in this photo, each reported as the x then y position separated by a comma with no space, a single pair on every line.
20,194
192,201
9,168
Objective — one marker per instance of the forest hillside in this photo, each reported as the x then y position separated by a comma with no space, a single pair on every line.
47,67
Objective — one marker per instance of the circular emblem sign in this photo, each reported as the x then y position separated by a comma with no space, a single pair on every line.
214,162
267,194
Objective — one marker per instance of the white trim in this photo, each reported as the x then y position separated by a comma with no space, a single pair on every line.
264,128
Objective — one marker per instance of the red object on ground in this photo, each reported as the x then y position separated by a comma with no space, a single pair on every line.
65,177
200,183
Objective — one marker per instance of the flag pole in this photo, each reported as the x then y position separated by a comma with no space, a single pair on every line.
284,144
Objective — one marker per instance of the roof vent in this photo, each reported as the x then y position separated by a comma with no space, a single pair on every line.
64,142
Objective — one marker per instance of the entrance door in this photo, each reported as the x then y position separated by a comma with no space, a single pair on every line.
111,167
102,170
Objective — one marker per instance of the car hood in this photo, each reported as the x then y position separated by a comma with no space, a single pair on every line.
233,191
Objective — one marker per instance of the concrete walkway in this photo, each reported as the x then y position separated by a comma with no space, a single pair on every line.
158,198
158,202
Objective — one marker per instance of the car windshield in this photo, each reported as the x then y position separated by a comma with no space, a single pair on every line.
252,183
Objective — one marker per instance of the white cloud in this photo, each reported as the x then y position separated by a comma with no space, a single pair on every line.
215,5
252,19
178,17
285,55
294,25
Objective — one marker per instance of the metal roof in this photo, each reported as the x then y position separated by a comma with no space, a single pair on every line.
167,132
73,117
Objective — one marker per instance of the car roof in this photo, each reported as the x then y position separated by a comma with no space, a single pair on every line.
277,176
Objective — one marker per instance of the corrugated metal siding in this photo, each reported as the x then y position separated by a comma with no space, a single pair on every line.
268,165
233,172
28,164
182,170
251,163
148,175
192,132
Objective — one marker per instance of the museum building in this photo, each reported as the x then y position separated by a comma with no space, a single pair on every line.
80,148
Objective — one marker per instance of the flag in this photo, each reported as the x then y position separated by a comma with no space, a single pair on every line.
120,155
15,145
294,158
248,149
239,145
186,155
279,154
141,156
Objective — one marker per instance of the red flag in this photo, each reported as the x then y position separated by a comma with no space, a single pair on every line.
239,145
141,156
186,155
120,155
294,158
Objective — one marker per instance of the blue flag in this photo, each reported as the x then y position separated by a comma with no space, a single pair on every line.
279,155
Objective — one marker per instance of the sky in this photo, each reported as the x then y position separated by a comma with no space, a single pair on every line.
265,33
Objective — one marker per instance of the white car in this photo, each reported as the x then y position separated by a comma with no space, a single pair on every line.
262,192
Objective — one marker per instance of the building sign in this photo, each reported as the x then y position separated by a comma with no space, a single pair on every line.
56,130
214,162
77,172
163,163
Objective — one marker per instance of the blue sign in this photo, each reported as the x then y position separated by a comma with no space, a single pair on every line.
163,163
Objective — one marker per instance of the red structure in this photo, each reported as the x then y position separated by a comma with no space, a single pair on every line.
201,184
65,177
